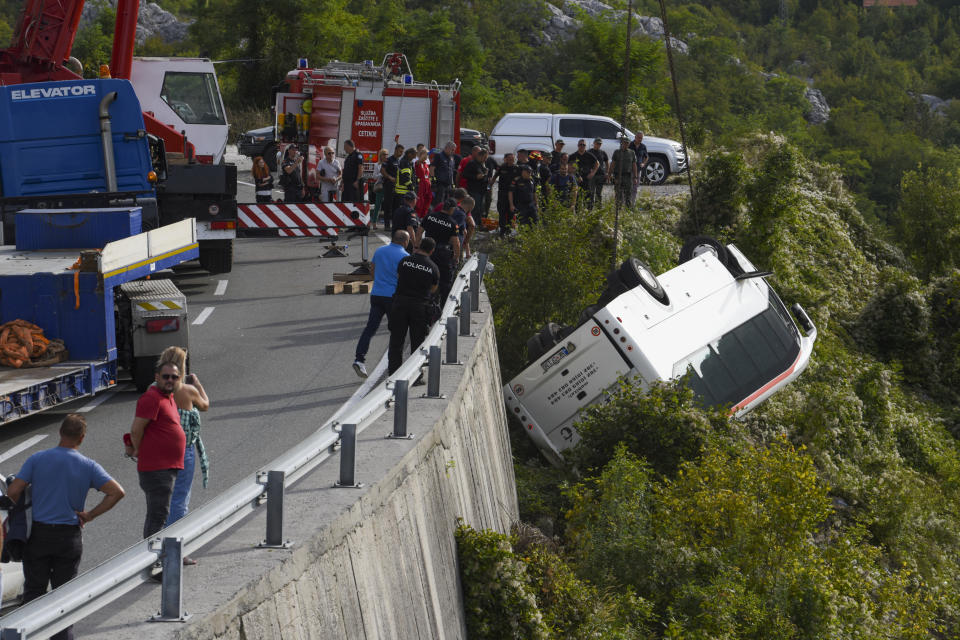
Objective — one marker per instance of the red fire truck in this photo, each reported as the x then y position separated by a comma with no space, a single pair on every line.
375,106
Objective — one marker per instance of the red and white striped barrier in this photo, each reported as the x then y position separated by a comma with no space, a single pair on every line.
303,219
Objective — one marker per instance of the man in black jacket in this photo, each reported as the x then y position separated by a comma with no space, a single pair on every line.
418,278
352,172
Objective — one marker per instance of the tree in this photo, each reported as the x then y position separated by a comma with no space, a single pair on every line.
928,219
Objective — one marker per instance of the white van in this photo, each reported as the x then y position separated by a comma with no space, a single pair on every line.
538,132
714,316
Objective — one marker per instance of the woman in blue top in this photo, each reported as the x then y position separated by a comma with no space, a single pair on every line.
191,399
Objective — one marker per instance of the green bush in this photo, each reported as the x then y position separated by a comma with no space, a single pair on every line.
929,219
734,547
895,324
719,201
664,424
549,273
497,599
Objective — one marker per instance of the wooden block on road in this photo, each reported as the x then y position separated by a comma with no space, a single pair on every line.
352,277
334,287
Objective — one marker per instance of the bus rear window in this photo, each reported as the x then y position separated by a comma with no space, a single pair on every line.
742,361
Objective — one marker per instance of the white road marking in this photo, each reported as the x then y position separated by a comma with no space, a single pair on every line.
249,184
103,397
23,446
221,288
203,315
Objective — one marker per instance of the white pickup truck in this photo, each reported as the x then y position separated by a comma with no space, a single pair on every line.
713,317
539,131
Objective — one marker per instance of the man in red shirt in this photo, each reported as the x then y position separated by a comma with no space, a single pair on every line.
158,444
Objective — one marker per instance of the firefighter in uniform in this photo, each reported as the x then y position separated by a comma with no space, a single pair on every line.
406,178
540,173
417,279
523,196
506,174
445,232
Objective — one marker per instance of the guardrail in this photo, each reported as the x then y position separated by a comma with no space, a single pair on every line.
96,588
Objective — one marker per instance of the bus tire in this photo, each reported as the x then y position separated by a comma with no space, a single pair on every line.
634,273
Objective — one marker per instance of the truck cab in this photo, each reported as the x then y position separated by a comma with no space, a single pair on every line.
713,318
184,94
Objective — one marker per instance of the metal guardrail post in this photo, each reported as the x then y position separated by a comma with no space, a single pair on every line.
275,487
465,313
452,341
348,457
482,259
475,290
401,395
171,588
433,373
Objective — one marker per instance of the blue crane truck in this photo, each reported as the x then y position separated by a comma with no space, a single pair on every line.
80,238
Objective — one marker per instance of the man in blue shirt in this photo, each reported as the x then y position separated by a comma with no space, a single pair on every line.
60,479
383,267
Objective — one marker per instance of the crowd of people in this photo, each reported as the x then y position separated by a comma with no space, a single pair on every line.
424,179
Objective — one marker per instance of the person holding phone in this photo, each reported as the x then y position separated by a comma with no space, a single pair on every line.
191,399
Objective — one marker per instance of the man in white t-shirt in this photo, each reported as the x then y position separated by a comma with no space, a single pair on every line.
329,175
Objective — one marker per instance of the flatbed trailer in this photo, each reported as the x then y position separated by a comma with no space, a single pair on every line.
69,293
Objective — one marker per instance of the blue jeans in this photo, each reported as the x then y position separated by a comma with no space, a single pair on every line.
181,489
379,307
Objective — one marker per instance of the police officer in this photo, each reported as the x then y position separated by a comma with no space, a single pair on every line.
352,171
506,174
600,177
404,217
623,169
445,232
523,196
587,167
555,156
418,278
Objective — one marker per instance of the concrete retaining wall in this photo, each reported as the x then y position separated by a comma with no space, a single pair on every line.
385,565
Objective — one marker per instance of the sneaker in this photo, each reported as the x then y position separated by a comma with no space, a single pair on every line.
360,368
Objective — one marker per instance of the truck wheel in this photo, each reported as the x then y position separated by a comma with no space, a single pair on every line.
216,256
699,245
143,374
551,334
634,273
270,156
656,171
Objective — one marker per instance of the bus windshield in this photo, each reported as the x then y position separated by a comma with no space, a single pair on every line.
740,362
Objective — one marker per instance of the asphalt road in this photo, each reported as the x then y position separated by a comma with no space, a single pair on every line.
274,354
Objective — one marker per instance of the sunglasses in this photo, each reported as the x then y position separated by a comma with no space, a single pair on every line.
170,376
582,144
